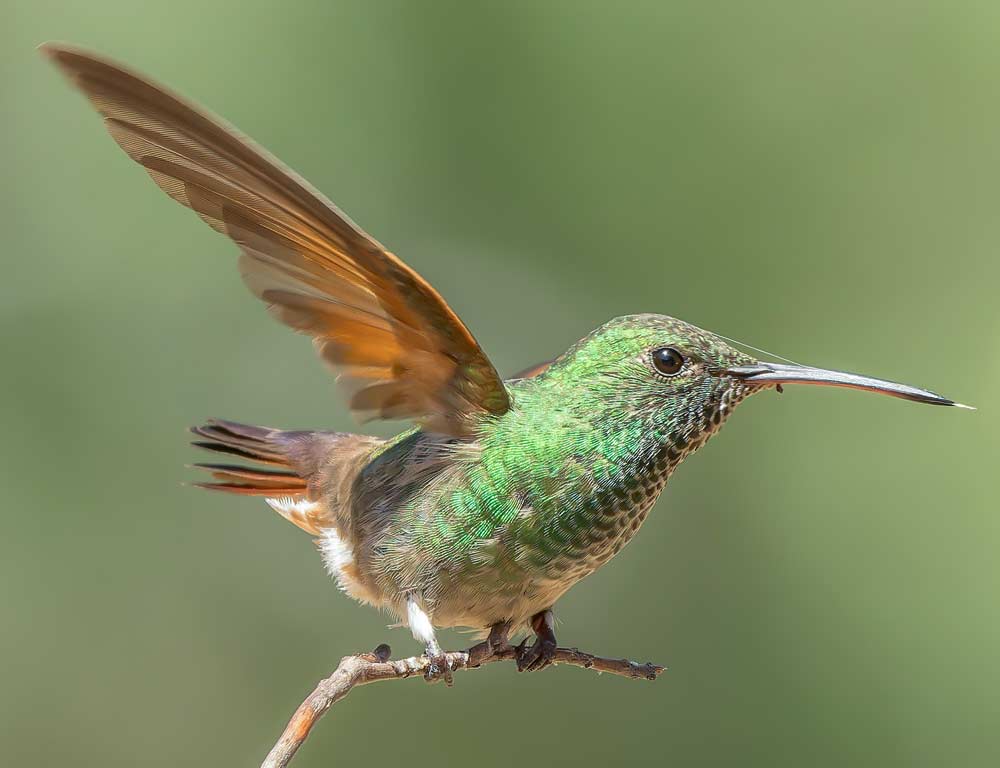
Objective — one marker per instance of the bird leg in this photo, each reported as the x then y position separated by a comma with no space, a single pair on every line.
494,644
497,639
541,652
423,631
440,667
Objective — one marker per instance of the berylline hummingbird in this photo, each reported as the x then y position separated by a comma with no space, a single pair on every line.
505,493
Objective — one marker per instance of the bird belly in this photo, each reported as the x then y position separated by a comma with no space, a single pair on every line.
512,576
480,609
476,551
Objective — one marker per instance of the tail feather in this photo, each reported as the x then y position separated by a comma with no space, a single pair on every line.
251,481
258,444
300,465
234,451
242,489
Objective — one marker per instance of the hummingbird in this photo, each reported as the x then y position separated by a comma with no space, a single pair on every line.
505,492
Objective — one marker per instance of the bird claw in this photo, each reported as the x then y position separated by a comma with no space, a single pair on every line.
439,668
538,655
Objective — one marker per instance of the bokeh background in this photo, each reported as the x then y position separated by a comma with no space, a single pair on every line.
821,179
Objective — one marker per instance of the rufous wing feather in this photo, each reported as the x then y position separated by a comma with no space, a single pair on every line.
390,336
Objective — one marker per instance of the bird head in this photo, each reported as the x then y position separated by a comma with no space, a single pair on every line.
681,381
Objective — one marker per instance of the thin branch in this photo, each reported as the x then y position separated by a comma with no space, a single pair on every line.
376,666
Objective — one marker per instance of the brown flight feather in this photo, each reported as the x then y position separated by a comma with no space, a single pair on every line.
388,333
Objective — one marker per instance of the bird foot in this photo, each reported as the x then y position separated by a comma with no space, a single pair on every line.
538,655
439,669
495,643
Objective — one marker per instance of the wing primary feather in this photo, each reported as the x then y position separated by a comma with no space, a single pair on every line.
394,342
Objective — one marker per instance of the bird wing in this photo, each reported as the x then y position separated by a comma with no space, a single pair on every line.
535,370
393,340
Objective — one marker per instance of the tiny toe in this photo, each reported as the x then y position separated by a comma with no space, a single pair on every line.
525,657
446,671
432,673
520,654
439,669
542,654
541,661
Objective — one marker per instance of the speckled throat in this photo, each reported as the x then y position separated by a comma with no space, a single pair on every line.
605,496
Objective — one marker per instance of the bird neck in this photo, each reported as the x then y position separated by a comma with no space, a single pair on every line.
586,441
612,436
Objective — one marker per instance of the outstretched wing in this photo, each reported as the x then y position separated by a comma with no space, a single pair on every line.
391,337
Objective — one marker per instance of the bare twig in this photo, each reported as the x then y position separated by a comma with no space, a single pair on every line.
376,666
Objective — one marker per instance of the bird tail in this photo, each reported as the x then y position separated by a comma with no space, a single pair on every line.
257,444
293,459
298,463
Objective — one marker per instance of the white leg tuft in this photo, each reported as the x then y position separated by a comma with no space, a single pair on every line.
420,625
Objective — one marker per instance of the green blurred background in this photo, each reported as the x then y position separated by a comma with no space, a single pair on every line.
821,179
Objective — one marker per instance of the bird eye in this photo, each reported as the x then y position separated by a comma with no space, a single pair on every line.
667,360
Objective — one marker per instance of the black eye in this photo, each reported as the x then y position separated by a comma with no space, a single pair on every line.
667,360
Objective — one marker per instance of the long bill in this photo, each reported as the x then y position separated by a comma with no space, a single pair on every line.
777,373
